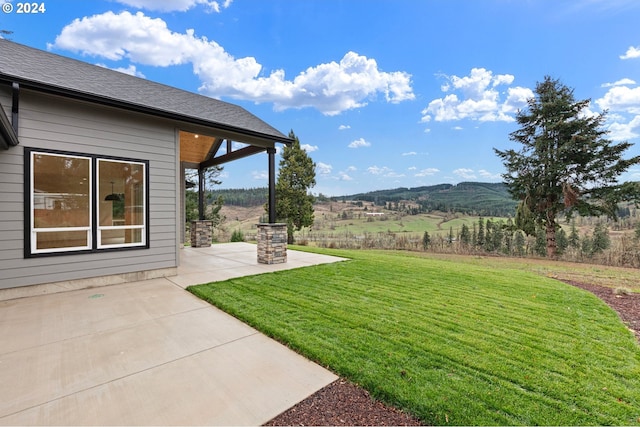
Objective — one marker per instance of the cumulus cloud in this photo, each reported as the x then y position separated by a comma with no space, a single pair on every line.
309,148
465,173
621,82
344,127
260,175
343,176
358,143
176,5
375,170
410,153
621,98
632,52
488,175
427,172
323,168
476,97
623,104
352,169
624,131
331,87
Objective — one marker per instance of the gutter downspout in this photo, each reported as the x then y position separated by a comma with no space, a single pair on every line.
15,100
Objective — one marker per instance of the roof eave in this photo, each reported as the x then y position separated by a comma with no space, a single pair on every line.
233,132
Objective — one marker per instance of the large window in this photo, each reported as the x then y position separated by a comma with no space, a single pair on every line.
84,203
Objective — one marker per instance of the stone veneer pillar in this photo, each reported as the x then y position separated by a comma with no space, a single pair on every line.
201,234
272,243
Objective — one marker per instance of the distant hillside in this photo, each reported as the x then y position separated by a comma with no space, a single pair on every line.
243,197
489,199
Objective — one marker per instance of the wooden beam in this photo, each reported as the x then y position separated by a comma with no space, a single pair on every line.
234,155
214,149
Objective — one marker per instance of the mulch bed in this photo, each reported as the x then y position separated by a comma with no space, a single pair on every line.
627,306
344,403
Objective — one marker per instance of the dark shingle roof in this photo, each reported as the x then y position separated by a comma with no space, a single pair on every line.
37,69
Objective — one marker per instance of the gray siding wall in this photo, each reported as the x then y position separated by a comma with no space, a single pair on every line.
56,123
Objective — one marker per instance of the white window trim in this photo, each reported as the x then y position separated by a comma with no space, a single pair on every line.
142,227
35,231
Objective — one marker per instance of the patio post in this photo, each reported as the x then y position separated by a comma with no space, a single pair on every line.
201,194
272,185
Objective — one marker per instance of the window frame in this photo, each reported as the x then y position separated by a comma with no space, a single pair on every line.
94,228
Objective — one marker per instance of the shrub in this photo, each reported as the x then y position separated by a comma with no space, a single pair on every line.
237,236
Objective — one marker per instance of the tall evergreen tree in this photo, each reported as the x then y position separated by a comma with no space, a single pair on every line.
565,164
465,235
480,240
426,240
600,238
574,237
296,175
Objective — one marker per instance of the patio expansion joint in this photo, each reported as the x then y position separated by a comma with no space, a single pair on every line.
169,362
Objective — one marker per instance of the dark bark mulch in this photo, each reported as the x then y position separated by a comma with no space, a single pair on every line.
343,403
627,306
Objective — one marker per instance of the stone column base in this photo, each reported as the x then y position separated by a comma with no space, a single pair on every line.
201,234
272,243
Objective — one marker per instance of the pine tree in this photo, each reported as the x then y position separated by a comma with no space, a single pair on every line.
600,238
295,177
465,235
574,237
566,164
426,240
480,239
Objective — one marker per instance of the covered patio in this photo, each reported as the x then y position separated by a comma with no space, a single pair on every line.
148,352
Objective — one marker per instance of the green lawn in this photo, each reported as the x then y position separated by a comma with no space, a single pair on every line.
451,342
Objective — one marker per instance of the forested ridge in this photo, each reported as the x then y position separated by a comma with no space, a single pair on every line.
489,199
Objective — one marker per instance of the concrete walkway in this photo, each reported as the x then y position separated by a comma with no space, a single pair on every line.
149,353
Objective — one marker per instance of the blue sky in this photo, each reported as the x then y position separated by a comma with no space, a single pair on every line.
381,93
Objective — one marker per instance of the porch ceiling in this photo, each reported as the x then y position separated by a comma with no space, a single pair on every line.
196,148
204,151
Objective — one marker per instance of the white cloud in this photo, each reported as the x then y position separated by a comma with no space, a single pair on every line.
488,175
632,52
412,168
358,143
410,153
309,148
621,98
176,5
375,170
624,131
260,175
352,169
343,176
131,70
621,82
465,173
427,172
323,168
477,98
344,127
457,128
331,88
238,145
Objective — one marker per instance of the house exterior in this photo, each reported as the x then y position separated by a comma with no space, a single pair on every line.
92,168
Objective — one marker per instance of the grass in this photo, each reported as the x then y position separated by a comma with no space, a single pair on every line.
450,341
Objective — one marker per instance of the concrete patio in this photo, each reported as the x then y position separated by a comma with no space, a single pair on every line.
149,353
